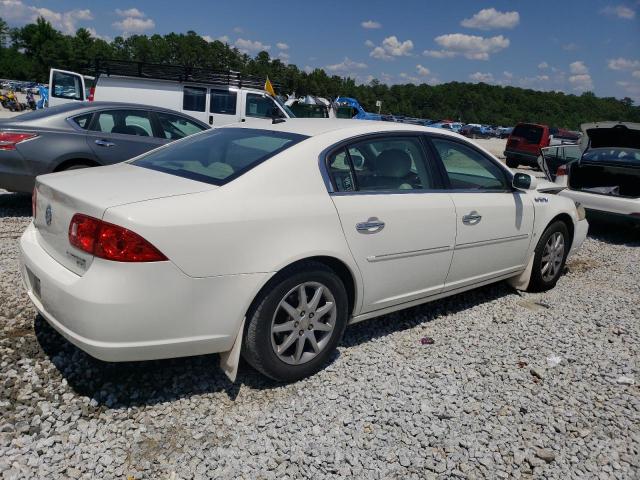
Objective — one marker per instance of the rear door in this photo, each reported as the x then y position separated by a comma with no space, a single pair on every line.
65,87
399,226
494,222
117,135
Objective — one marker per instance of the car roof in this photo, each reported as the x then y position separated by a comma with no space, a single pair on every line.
312,127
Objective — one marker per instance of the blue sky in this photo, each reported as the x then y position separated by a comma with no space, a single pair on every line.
567,45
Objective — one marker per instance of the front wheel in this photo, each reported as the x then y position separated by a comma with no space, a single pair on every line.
296,323
512,163
550,256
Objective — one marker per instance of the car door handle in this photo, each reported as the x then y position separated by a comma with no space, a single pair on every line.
472,218
373,225
104,143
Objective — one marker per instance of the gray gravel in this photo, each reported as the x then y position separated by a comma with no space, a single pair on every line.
544,386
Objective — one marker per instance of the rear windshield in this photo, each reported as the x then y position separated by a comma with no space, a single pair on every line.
531,133
218,156
613,155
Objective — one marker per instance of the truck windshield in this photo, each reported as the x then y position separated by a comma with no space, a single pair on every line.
219,156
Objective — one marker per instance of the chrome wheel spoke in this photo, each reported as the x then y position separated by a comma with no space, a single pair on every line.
545,267
323,327
287,343
315,300
323,310
292,312
314,343
299,348
284,327
302,297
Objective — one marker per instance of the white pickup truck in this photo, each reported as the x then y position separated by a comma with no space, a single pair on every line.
212,97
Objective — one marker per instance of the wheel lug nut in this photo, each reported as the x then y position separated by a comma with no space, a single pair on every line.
296,324
302,313
310,327
311,315
301,332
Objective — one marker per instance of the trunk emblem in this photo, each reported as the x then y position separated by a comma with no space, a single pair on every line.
47,215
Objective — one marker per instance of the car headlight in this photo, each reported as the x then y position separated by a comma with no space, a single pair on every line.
582,214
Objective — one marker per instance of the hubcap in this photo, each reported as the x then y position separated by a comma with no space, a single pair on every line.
303,323
552,256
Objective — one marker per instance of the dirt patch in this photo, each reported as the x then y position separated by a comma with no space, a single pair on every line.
581,265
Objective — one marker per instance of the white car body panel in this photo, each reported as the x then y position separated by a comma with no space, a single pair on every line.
225,243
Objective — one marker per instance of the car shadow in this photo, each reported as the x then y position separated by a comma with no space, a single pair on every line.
15,204
614,231
136,384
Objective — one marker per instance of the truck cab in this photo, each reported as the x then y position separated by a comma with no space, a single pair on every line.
212,97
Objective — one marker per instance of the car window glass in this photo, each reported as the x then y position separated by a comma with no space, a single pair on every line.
220,155
468,168
124,122
66,85
82,120
260,106
223,102
174,127
396,163
194,99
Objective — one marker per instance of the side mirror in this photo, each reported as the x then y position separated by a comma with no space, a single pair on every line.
524,181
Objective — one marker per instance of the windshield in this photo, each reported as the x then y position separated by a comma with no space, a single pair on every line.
285,108
613,155
218,156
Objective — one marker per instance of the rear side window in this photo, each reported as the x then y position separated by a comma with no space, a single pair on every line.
223,102
194,99
174,127
124,122
531,133
219,156
82,120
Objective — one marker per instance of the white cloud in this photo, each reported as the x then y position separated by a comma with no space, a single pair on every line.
284,57
238,29
392,47
481,77
130,12
472,47
422,71
347,65
250,46
371,24
369,43
636,74
209,38
409,78
68,22
224,39
580,78
543,65
623,64
570,47
130,25
620,11
282,46
507,75
630,88
578,68
491,19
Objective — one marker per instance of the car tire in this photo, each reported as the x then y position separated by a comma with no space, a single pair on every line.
512,163
290,342
550,257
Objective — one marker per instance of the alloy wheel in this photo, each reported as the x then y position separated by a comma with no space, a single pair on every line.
552,256
303,323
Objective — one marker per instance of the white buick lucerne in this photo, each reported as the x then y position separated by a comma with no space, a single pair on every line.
268,241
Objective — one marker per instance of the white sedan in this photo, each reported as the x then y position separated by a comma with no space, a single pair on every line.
268,241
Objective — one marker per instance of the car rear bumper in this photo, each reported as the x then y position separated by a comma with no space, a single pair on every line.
136,311
619,207
523,158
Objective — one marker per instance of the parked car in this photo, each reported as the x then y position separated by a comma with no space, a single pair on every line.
216,98
270,240
83,134
557,156
605,179
524,144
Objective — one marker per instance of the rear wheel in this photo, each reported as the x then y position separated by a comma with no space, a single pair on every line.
296,323
512,163
550,256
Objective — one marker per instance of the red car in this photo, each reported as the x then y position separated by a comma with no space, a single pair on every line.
524,144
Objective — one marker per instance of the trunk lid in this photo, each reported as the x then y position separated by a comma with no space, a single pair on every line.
610,135
91,191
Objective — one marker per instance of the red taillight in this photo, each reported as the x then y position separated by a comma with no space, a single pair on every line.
9,140
110,242
562,171
34,202
92,92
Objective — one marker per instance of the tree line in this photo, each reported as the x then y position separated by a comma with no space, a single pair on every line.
27,53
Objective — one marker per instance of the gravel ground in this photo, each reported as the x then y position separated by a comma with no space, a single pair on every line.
521,386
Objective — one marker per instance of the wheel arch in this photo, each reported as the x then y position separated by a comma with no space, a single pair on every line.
63,165
568,221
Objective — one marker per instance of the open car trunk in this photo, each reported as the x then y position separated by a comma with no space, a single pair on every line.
620,181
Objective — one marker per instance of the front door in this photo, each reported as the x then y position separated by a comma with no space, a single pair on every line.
65,87
493,221
118,135
260,108
399,227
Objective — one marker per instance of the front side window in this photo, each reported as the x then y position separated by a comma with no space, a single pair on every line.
123,122
218,156
390,164
223,102
194,99
468,168
260,106
174,127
